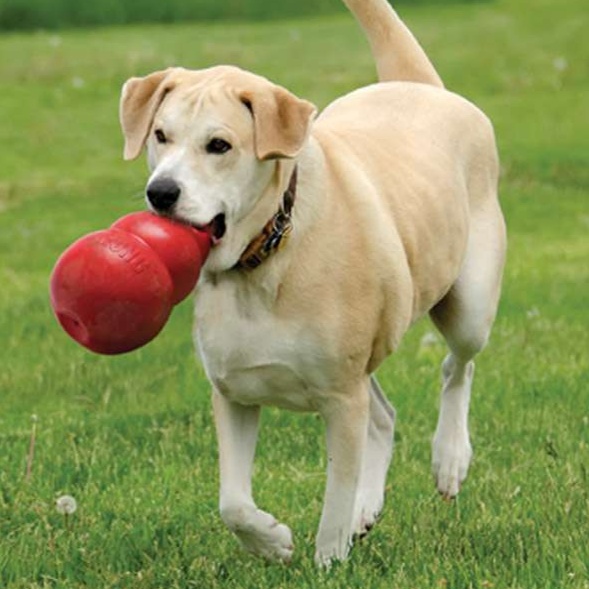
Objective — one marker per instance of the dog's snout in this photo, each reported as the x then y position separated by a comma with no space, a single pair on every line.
163,193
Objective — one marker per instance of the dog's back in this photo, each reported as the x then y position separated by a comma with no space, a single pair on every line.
410,162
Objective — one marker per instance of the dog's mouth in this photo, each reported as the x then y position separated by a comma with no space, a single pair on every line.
216,228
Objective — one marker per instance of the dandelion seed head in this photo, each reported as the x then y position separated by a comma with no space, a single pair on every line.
55,41
66,505
560,64
78,83
428,340
533,313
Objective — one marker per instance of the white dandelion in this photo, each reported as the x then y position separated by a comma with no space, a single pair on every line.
428,340
78,83
55,41
66,505
560,64
533,313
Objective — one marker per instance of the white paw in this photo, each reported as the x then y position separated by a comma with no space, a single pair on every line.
452,453
261,534
332,546
327,556
368,509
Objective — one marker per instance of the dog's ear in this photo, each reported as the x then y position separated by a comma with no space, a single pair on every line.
282,121
140,99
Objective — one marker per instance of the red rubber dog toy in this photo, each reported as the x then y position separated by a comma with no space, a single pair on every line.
113,290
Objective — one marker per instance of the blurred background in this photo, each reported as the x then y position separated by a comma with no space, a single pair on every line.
35,14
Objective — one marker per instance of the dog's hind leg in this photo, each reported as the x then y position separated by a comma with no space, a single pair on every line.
258,531
377,458
465,317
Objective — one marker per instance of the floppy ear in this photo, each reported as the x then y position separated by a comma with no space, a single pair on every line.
281,121
140,99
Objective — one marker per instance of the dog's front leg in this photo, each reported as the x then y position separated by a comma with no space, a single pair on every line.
258,531
346,417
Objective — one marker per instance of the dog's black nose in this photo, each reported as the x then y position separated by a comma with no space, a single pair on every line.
163,193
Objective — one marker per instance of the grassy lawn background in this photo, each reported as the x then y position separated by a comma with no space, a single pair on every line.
131,437
37,14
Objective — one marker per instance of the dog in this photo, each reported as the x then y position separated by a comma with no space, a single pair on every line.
332,235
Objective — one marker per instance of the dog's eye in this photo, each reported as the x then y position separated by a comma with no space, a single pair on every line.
160,136
217,145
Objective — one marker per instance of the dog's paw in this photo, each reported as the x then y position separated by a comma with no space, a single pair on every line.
365,524
326,557
368,510
261,534
332,545
450,461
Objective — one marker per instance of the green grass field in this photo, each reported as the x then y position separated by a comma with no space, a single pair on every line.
36,14
131,437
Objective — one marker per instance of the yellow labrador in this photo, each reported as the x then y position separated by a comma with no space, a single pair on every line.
332,235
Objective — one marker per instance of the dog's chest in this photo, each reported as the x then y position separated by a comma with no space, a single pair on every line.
254,357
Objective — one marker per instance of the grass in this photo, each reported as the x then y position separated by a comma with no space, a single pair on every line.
40,14
131,437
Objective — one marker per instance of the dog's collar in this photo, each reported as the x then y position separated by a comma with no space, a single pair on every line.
274,234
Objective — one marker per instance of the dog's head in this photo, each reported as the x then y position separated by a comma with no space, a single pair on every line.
213,138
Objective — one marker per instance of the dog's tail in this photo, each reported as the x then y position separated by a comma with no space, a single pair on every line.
397,53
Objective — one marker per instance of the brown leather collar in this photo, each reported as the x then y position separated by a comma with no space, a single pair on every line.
274,234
